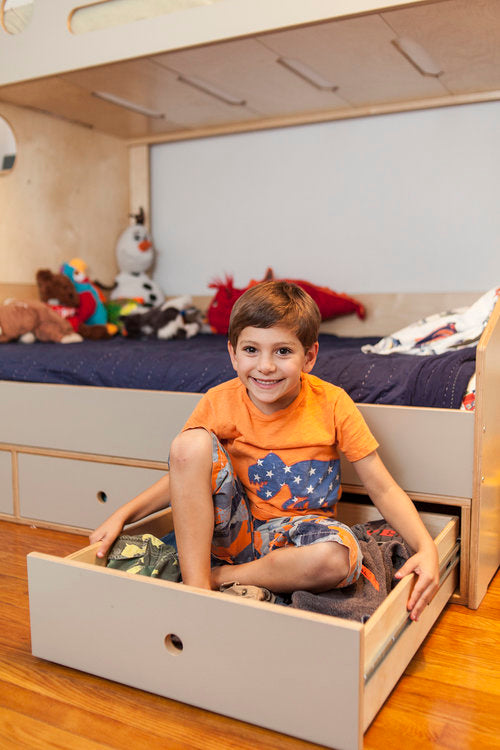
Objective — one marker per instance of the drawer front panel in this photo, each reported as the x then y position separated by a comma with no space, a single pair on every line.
77,493
295,673
6,499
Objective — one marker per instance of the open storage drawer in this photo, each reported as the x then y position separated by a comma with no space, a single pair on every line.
313,676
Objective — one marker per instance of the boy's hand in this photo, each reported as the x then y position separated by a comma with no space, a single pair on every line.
426,566
106,533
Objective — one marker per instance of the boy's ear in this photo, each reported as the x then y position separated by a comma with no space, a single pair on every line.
310,357
232,355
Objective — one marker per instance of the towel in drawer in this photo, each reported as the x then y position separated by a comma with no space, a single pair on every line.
384,552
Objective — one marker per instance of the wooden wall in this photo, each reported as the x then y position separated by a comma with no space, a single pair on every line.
66,197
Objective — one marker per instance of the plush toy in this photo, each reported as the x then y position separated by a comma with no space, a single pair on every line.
330,303
90,299
174,319
58,291
119,309
135,255
28,321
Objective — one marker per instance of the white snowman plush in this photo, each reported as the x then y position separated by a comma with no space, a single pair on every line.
135,254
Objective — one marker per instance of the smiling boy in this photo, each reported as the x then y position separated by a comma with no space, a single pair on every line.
255,474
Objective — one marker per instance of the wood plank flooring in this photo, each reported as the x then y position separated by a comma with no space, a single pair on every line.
449,696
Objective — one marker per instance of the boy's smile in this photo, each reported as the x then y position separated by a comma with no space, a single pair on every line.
269,363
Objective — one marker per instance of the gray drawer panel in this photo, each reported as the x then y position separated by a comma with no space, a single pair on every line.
104,421
77,493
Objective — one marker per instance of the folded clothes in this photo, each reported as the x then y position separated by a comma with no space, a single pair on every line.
145,555
384,552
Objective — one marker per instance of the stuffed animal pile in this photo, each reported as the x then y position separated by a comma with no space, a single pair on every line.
73,297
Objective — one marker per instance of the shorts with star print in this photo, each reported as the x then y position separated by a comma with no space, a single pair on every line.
240,538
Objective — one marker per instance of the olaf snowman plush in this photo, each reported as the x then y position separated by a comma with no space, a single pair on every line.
135,254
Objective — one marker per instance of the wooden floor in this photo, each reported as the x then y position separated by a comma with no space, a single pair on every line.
448,698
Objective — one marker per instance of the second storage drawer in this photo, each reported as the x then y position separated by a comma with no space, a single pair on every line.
76,492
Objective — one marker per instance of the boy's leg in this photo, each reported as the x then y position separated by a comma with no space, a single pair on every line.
191,499
311,553
210,510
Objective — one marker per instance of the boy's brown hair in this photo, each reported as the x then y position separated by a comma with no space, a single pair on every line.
276,303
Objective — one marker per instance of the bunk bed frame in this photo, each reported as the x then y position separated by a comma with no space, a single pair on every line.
70,455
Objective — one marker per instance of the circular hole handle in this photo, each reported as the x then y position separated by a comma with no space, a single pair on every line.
173,643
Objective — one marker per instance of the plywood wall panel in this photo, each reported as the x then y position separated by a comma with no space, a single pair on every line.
66,197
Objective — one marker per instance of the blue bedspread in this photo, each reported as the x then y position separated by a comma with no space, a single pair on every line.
199,363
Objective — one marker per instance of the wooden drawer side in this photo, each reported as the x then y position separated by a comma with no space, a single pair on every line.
391,638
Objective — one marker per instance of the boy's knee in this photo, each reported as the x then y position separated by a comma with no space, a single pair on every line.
331,564
190,445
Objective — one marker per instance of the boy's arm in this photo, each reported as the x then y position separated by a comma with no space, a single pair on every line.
151,500
399,511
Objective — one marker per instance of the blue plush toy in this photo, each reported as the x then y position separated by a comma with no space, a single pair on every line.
89,296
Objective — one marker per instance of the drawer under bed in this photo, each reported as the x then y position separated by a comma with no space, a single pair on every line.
313,676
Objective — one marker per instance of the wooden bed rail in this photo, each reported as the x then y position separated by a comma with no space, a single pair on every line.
485,508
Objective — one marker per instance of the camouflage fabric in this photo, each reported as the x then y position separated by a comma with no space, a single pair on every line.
145,555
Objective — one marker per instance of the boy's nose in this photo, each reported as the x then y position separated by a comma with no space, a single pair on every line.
266,364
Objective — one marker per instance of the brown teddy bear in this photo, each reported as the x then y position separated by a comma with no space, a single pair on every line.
32,320
58,292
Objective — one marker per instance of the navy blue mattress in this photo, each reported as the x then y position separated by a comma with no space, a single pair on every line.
199,363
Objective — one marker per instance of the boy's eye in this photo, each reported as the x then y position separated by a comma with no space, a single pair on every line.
284,350
249,349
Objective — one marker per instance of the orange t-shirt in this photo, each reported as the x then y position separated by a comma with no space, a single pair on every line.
288,461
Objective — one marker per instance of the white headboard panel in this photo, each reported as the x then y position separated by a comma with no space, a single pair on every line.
399,203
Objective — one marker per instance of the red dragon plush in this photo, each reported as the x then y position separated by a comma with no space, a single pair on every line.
330,303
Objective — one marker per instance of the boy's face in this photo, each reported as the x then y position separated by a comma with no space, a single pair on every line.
269,362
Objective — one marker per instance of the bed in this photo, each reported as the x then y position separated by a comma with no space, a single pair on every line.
70,452
106,412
